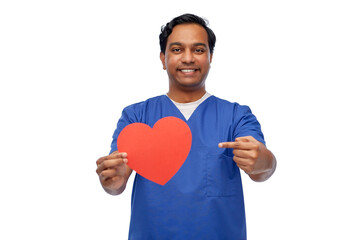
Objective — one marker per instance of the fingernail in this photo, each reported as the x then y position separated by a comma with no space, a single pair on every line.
124,155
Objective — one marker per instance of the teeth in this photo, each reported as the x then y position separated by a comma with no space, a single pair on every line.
188,70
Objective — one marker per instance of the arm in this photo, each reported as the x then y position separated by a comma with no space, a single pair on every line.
253,157
264,165
113,172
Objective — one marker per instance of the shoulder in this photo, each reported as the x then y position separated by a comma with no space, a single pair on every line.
145,103
136,111
244,122
233,106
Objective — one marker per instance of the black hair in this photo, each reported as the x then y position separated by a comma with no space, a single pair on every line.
183,19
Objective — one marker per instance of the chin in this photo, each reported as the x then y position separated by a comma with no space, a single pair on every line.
192,86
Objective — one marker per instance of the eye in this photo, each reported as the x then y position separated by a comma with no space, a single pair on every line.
176,50
199,50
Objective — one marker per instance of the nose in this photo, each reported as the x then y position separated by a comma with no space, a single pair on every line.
187,56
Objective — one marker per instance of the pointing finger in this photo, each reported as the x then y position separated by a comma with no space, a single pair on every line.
228,145
237,145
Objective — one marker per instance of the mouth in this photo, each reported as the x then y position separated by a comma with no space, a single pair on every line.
188,70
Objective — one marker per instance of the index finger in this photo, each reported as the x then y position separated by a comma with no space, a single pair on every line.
228,145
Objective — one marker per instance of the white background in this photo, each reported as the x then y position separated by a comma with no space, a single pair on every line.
67,69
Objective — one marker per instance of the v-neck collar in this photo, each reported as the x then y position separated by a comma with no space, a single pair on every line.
195,111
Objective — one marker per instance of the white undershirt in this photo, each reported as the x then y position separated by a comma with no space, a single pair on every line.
188,108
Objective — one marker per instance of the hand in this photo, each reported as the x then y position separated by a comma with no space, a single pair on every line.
247,153
113,172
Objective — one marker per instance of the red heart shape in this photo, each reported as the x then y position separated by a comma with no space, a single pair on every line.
156,153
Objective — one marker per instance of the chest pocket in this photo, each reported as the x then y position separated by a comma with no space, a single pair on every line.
222,176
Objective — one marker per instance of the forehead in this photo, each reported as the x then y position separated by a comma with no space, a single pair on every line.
188,34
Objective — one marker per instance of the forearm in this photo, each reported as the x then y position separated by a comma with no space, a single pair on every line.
266,167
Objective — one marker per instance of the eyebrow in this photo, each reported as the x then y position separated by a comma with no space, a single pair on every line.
180,44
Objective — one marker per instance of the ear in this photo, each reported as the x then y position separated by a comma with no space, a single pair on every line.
211,55
162,58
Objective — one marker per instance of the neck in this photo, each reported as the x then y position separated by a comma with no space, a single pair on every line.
186,97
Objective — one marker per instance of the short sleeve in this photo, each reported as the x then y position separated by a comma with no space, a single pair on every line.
246,124
128,116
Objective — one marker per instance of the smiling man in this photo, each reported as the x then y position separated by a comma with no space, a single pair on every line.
204,200
187,59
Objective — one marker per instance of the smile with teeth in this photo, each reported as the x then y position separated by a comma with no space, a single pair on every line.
188,70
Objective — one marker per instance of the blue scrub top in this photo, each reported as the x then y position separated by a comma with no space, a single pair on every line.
204,200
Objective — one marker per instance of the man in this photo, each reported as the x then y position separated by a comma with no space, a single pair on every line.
204,200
